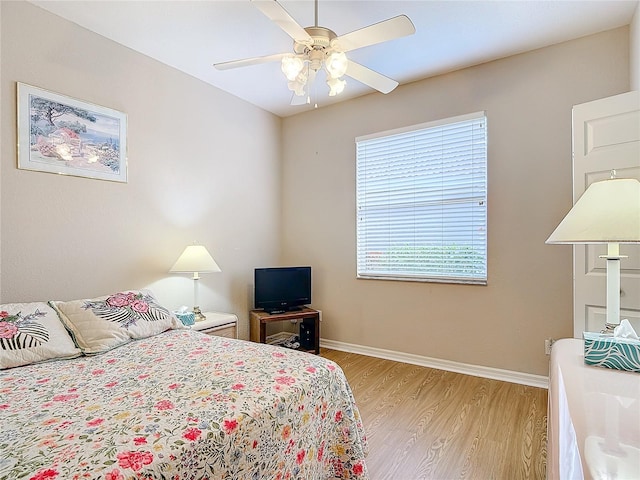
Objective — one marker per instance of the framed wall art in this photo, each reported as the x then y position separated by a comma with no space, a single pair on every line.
59,134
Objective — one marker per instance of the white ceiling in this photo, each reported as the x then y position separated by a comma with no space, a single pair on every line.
192,35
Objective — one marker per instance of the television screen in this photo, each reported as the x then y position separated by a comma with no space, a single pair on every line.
279,289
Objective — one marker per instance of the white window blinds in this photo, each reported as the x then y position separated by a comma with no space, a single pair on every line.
422,202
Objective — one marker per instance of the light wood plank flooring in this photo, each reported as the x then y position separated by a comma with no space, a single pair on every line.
423,423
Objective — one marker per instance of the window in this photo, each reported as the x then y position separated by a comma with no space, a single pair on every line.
422,202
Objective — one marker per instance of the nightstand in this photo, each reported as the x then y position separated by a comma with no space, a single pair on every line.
219,324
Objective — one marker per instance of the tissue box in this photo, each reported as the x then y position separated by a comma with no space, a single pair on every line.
187,318
608,351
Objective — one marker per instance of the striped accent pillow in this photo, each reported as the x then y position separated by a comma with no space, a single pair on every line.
100,324
30,333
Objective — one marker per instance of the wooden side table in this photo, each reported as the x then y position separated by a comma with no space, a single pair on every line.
219,324
309,326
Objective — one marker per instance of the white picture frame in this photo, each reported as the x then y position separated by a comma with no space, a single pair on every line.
63,135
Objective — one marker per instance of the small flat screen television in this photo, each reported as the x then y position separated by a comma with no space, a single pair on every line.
280,289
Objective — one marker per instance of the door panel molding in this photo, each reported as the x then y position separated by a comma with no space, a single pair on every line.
606,136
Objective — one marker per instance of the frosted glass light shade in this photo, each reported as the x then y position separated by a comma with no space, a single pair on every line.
336,86
195,258
607,212
291,67
336,64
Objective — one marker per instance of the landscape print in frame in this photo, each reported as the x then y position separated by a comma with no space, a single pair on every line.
59,134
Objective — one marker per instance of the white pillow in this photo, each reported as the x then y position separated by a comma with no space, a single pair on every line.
32,332
103,323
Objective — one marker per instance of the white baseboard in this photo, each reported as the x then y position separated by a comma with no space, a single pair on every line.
475,370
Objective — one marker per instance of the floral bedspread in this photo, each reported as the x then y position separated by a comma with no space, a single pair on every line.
181,405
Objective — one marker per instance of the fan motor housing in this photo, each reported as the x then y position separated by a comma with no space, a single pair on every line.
321,37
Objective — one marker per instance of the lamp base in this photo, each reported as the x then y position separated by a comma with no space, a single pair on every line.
199,316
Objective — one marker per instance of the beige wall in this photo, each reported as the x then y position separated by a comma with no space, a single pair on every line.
528,100
203,166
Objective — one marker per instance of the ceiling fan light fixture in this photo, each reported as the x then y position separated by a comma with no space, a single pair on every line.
336,64
291,66
319,48
336,86
297,87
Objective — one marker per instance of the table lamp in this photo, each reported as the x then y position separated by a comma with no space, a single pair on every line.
195,259
607,213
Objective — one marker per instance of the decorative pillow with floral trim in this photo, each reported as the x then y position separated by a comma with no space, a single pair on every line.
32,332
103,323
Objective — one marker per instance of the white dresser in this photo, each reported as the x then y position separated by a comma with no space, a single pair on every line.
594,418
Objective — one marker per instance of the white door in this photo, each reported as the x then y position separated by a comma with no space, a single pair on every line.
606,136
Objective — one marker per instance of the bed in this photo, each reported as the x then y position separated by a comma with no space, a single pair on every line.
175,404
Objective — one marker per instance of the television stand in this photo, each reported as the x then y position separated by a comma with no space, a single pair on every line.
309,326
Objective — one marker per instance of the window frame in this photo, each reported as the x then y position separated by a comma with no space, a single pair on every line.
475,202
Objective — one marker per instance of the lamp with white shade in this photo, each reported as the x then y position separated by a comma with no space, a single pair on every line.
607,213
195,259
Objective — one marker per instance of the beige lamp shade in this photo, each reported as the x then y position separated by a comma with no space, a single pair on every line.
607,212
195,258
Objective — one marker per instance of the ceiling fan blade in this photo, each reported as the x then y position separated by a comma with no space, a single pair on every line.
371,78
390,29
249,61
277,14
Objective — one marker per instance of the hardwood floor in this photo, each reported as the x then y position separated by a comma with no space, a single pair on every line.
423,423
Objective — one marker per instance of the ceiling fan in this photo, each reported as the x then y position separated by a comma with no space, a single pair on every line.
317,47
